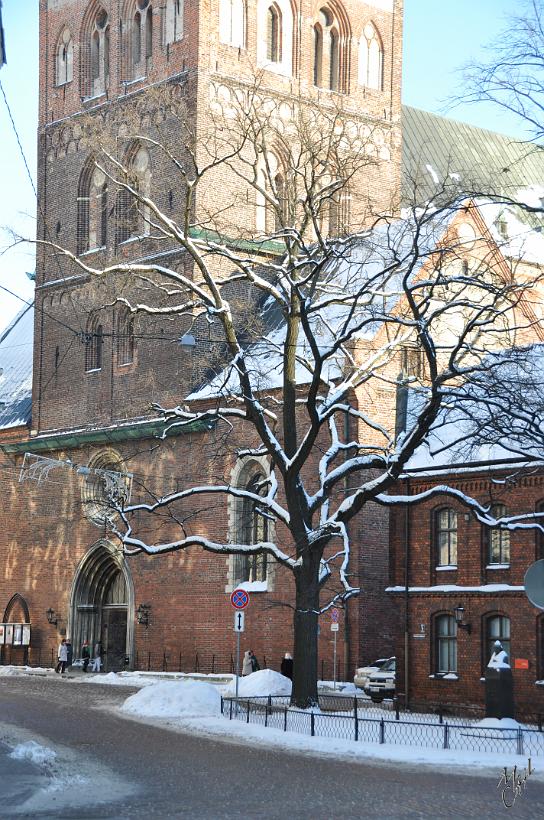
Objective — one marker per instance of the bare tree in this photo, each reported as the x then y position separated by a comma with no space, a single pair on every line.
353,312
513,77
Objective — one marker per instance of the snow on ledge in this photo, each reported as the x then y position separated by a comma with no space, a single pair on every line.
253,586
487,588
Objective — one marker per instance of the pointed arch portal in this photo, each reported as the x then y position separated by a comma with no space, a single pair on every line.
102,604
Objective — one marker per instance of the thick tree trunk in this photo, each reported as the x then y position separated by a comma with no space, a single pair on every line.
306,619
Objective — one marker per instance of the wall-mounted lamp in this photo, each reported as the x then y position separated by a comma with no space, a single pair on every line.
459,613
142,614
52,617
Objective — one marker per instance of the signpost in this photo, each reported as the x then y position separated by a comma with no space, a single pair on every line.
335,626
239,600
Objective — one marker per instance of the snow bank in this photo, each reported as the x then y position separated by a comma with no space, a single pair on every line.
16,671
496,723
115,679
263,682
171,699
33,752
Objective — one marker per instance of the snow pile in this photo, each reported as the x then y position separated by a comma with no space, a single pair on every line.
172,699
33,752
114,679
496,723
263,682
16,671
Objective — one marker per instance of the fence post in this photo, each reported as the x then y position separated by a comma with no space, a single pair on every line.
312,723
179,662
382,731
230,717
196,662
164,662
247,711
446,736
266,714
440,715
356,718
322,669
213,664
222,705
520,740
396,704
285,718
148,661
52,663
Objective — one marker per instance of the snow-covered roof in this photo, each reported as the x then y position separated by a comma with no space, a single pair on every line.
359,285
497,418
16,370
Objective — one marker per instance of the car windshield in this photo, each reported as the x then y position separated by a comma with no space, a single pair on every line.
389,666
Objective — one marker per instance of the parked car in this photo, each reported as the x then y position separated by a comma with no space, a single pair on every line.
363,673
381,684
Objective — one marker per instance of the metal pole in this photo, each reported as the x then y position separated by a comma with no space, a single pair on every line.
334,662
237,661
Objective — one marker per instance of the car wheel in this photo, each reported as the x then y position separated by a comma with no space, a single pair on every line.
375,699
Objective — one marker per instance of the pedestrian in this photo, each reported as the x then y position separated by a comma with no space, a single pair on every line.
254,662
97,660
69,652
62,657
85,654
247,666
287,666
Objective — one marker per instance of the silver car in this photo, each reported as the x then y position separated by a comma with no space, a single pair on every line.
363,673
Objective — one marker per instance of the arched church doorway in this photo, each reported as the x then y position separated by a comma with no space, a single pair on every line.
16,632
102,606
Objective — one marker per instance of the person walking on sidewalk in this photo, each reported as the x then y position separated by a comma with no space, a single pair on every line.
85,654
62,656
97,659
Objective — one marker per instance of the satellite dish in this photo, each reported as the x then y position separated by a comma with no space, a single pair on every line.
534,584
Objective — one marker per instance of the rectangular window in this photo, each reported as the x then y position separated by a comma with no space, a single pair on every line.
446,644
498,539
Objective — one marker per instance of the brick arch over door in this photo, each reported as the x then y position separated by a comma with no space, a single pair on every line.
17,606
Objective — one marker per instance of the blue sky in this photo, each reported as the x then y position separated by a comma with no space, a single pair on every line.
439,37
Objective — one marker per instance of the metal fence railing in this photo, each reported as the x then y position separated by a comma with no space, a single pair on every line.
375,725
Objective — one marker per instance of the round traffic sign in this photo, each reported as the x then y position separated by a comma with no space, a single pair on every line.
534,584
239,599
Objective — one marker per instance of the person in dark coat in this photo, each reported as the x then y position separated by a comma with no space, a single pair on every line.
85,654
254,662
287,666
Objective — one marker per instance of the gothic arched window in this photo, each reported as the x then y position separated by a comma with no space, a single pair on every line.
232,22
125,337
92,221
141,29
96,64
93,344
331,37
273,34
371,59
132,214
173,21
253,529
65,59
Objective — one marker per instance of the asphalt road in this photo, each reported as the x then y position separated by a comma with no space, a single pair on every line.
112,767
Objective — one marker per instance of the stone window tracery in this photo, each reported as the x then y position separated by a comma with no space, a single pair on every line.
96,64
92,222
331,50
133,215
65,59
371,58
275,33
173,21
232,23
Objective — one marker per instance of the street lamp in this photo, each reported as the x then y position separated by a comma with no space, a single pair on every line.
459,613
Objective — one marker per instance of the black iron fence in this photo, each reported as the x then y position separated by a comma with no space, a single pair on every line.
354,720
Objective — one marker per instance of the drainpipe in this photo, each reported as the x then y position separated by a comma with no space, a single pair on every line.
347,624
407,539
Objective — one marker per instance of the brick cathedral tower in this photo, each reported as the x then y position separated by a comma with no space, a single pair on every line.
103,65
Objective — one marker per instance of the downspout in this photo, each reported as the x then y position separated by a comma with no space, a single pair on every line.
407,540
347,624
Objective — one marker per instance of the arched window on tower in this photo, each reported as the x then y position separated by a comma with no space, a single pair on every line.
273,34
125,336
232,23
270,189
94,339
132,214
65,59
92,219
330,51
95,61
371,59
173,30
141,45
